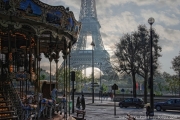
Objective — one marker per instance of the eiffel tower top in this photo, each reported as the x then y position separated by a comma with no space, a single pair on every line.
88,9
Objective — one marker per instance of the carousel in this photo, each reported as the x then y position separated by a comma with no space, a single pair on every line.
28,30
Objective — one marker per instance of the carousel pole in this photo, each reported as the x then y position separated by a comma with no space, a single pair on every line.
66,86
36,63
65,72
69,74
50,60
26,61
30,56
56,61
39,60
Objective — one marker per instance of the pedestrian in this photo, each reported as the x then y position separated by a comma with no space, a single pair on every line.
104,95
78,103
63,104
111,94
54,93
83,102
147,110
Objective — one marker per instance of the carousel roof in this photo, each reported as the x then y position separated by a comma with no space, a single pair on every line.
25,18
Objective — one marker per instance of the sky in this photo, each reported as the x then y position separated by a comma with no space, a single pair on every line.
118,17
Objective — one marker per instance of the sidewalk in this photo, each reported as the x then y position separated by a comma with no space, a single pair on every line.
99,102
96,112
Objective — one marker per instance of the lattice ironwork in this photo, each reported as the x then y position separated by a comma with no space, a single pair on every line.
82,58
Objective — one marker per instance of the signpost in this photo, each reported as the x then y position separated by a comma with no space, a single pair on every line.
122,90
114,87
73,79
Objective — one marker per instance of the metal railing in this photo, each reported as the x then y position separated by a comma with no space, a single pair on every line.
15,99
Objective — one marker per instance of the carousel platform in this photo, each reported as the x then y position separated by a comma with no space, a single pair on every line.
58,117
7,111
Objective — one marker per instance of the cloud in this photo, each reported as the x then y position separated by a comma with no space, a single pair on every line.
118,17
115,26
144,2
158,3
74,5
168,34
160,17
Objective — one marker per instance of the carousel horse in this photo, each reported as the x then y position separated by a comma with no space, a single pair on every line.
50,107
42,107
30,110
46,106
56,102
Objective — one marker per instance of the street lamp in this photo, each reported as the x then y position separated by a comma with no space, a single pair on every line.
100,88
92,71
151,21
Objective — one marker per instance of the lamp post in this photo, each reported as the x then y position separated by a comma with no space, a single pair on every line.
100,88
151,21
92,71
179,82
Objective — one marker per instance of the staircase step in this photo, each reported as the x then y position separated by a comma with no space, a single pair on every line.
2,98
7,97
3,101
5,108
6,112
9,118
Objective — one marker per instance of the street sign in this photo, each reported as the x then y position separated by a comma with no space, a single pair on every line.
114,87
96,85
122,90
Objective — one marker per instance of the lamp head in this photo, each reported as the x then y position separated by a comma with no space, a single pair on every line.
93,44
151,20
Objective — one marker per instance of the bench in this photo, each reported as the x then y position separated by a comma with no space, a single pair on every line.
80,112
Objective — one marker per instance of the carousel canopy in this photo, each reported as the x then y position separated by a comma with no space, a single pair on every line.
25,22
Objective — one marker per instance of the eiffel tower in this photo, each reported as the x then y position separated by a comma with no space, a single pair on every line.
82,58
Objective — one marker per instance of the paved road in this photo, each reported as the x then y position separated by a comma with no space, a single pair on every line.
105,111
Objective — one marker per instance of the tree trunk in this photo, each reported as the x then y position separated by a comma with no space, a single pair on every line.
134,84
145,88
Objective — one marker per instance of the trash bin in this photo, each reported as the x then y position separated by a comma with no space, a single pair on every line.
70,104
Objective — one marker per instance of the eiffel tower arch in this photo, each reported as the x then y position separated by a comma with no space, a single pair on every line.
81,58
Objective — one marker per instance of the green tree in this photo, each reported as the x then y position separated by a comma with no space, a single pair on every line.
42,77
126,51
133,55
104,88
143,55
176,67
172,82
79,79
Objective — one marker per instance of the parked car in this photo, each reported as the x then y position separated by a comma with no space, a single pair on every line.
170,104
132,102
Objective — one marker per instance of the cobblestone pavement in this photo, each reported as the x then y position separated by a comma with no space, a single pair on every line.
105,111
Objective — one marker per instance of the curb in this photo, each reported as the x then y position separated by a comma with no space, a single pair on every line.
95,104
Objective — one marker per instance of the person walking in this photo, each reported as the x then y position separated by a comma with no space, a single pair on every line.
63,104
54,94
78,103
83,102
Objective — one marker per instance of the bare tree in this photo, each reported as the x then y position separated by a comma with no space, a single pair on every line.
143,55
126,53
133,55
